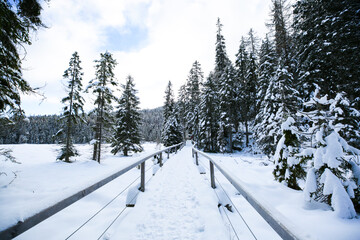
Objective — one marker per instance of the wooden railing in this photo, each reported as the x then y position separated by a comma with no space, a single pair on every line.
30,222
275,219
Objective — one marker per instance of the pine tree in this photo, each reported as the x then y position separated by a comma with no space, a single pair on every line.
192,88
247,75
288,166
127,135
228,113
18,19
267,66
221,58
182,103
104,76
172,132
327,49
169,105
209,116
328,180
73,108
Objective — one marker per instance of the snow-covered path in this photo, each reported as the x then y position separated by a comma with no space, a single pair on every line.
177,204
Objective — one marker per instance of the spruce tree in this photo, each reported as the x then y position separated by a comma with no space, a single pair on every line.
227,112
127,135
73,109
169,104
192,88
172,132
328,53
18,19
182,103
209,116
289,168
104,76
329,179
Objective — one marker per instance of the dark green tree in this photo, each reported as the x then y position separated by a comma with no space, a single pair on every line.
73,109
18,19
100,86
172,132
209,117
192,89
127,135
289,168
227,112
169,104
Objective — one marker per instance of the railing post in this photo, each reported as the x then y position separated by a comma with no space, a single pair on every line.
142,181
168,153
175,150
160,160
212,175
196,159
192,153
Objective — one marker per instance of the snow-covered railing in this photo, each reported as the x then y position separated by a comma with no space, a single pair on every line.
275,219
30,222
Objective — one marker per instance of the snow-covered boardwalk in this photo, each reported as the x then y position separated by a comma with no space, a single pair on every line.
177,204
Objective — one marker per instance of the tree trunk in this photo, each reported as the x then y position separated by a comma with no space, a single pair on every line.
247,133
67,157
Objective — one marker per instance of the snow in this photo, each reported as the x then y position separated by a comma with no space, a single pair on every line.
340,200
310,185
311,218
178,202
42,181
287,125
333,151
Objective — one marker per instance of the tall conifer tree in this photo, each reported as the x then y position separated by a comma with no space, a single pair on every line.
74,103
127,135
104,76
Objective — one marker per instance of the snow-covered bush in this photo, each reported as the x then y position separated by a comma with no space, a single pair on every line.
331,176
288,166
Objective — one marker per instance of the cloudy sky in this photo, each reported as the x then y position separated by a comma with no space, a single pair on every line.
153,40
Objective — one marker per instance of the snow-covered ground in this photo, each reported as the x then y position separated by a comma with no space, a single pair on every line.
315,221
40,181
178,202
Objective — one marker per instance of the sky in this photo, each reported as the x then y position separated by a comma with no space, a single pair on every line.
154,41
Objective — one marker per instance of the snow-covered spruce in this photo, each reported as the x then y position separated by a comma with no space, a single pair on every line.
127,135
73,109
289,168
331,177
172,132
104,76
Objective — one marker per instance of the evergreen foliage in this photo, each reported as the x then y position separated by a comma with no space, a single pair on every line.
18,19
209,116
228,113
288,166
73,108
192,93
104,76
330,180
169,105
127,135
172,132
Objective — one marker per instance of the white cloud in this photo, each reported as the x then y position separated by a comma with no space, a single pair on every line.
179,32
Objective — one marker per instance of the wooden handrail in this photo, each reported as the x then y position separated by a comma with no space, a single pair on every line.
30,222
275,219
